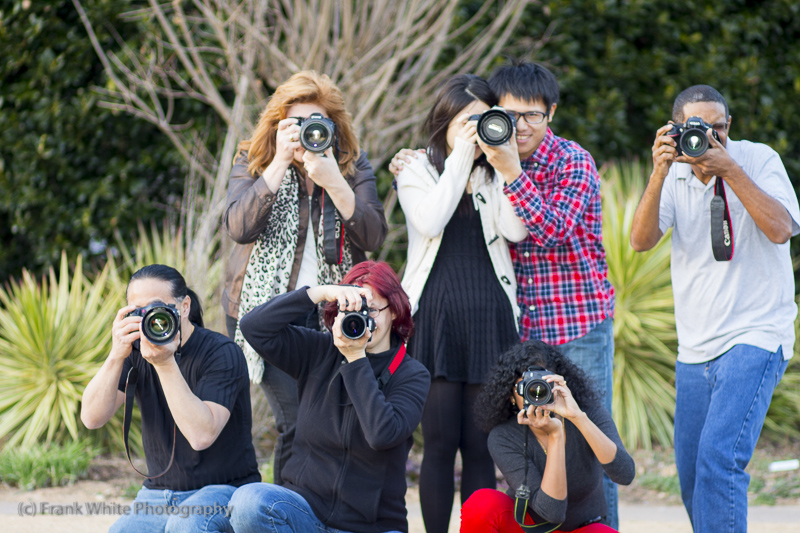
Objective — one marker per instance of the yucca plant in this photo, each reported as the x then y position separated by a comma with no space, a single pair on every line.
54,335
644,325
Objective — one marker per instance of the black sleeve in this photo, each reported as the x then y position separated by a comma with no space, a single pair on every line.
269,331
506,445
223,376
387,420
622,469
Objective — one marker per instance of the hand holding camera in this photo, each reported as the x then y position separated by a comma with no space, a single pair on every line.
287,140
540,388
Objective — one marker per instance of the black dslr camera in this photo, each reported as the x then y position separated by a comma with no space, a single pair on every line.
495,126
317,133
533,388
160,322
691,136
356,323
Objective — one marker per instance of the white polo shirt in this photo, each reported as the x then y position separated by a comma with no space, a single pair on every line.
748,300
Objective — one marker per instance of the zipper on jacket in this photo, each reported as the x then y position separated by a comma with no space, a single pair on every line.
347,434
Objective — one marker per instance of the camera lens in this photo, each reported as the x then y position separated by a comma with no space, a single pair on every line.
160,326
316,135
694,142
538,392
354,326
495,127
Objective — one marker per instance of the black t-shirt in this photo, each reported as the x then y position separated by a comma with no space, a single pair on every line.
215,370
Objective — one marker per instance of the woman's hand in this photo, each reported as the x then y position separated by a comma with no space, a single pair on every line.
538,417
351,349
323,170
287,141
564,403
405,155
468,130
124,331
348,296
349,299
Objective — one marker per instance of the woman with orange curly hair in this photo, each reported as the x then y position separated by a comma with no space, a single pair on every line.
276,215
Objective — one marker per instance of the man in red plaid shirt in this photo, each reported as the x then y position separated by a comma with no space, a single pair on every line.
562,276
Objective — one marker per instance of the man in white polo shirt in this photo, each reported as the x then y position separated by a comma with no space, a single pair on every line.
734,312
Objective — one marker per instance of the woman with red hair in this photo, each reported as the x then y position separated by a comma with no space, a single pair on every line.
279,203
361,397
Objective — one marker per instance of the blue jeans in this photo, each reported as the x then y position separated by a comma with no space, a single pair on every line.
719,411
594,353
159,511
268,508
281,392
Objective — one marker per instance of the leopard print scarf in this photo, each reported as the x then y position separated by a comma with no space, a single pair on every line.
270,265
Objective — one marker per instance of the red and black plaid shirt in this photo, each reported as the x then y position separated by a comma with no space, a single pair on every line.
562,276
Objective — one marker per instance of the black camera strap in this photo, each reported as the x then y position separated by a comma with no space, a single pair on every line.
130,388
721,228
332,231
523,494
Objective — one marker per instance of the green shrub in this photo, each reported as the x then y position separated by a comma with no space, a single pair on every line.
54,335
46,465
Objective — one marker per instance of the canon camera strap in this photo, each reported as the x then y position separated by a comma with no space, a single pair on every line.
130,388
332,231
721,229
523,494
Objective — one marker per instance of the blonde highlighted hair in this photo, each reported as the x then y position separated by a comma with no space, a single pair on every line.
304,87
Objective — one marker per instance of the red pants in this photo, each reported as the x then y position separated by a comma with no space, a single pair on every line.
492,511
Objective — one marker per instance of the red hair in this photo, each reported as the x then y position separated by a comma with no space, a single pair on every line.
384,281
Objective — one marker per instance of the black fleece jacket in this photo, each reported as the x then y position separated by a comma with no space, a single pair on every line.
352,439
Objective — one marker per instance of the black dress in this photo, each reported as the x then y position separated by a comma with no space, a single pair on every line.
464,321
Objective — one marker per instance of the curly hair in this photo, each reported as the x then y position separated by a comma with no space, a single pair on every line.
492,406
304,87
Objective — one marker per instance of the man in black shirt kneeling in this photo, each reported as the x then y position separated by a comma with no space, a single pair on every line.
192,388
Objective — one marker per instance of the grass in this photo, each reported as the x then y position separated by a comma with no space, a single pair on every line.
42,465
657,477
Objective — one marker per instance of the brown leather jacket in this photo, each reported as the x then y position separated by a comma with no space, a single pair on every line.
250,203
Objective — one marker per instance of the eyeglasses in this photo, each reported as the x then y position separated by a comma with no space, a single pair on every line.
375,312
531,117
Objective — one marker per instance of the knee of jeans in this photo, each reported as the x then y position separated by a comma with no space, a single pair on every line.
713,460
248,502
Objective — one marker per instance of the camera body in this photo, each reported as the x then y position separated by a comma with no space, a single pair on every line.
317,133
160,322
495,126
691,137
355,324
533,388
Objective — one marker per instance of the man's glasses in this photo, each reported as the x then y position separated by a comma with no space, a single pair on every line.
531,117
375,312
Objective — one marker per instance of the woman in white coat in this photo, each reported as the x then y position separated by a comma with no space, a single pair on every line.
460,281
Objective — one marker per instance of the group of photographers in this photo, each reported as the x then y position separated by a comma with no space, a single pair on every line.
505,244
